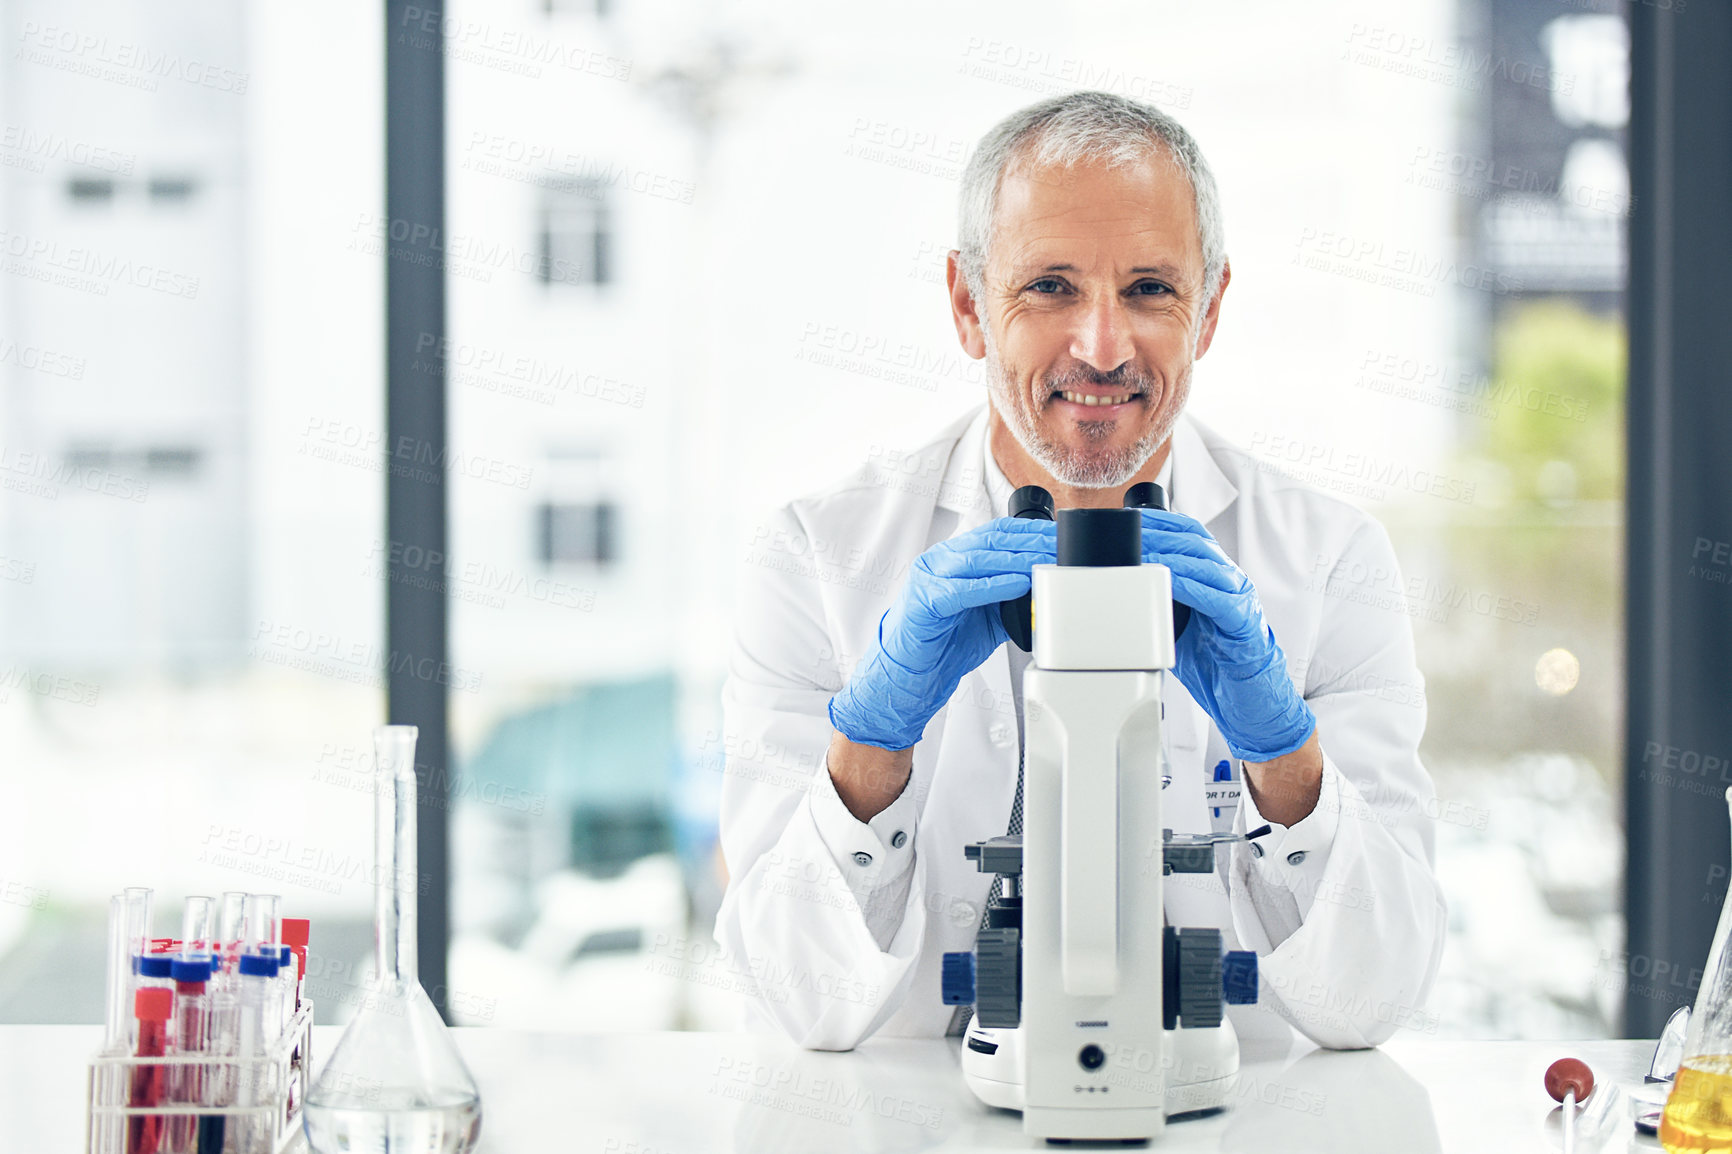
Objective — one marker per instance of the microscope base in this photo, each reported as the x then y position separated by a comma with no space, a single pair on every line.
1200,1072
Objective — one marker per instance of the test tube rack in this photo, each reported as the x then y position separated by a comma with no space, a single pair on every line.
279,1089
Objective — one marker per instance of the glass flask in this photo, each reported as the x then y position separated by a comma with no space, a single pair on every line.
1698,1115
395,1084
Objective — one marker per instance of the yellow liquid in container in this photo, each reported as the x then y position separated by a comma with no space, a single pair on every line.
1698,1115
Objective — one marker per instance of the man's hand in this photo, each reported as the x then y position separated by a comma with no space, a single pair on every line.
1227,656
943,624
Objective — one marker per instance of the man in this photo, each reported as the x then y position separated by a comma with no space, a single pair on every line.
874,720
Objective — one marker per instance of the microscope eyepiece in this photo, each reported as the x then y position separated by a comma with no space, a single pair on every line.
1145,495
1032,502
1100,537
1149,495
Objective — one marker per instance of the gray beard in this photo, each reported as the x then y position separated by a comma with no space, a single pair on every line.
1108,469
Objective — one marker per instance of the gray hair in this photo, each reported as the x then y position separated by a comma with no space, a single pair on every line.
1084,126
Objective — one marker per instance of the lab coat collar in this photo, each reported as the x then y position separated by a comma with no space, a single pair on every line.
1201,490
963,490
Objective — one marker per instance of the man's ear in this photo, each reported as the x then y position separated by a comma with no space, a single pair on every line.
962,308
1207,336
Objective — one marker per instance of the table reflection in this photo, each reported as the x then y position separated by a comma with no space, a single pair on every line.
879,1099
1329,1101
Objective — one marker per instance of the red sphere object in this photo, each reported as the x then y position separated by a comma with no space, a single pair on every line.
1568,1074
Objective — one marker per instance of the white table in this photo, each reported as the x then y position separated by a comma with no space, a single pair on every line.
670,1093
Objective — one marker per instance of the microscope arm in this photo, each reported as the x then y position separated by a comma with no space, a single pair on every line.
1089,865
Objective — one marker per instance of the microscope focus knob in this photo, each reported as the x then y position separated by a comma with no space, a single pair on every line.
956,979
1239,977
1193,977
1199,978
998,978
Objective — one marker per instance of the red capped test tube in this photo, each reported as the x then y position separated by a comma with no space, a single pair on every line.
296,932
152,1007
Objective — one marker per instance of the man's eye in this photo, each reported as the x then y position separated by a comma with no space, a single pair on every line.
1150,288
1055,284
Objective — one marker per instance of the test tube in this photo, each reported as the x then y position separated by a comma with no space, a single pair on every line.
190,1035
117,1035
231,924
195,925
258,979
296,932
119,976
137,900
225,1015
138,915
222,1040
264,924
286,984
156,972
152,1008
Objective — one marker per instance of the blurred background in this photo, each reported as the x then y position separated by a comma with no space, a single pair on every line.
694,256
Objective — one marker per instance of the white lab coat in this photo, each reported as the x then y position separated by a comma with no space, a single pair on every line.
838,927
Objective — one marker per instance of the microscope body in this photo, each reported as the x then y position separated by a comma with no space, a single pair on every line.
1093,1017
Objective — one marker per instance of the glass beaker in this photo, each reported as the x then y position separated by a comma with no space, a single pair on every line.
395,1083
1698,1115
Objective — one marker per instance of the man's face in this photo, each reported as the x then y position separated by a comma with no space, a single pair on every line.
1092,314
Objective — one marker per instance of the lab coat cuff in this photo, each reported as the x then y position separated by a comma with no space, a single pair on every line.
870,854
1294,856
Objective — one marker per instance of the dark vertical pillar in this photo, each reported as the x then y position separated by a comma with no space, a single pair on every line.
1678,740
415,616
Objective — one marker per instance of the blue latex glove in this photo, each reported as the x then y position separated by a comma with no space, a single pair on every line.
1227,655
943,624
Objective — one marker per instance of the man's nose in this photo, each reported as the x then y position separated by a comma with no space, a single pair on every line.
1102,339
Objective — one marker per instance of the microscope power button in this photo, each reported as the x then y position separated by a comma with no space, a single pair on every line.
1092,1057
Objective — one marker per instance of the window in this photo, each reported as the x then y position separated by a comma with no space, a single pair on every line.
172,460
578,534
575,239
90,190
174,189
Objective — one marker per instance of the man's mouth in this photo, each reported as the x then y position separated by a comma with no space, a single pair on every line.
1096,400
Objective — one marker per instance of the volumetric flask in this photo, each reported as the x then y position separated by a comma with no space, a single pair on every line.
395,1084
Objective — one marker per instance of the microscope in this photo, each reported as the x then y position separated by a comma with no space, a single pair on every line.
1092,1016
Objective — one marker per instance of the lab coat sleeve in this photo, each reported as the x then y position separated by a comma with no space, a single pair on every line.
794,918
876,857
1344,905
